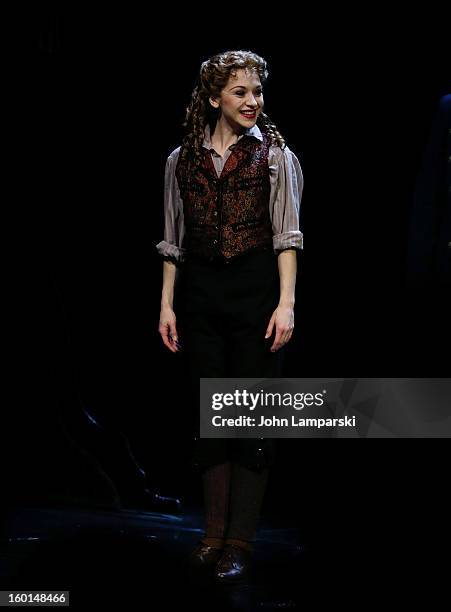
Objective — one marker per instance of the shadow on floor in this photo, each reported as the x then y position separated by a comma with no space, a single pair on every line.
126,557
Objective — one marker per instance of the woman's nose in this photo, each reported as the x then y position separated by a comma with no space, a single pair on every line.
252,101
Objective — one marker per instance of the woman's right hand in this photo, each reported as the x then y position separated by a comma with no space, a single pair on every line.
168,330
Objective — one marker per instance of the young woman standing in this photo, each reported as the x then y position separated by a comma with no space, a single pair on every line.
232,201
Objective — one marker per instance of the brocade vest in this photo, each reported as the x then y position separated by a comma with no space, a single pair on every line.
227,216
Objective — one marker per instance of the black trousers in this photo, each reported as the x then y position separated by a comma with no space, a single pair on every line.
223,310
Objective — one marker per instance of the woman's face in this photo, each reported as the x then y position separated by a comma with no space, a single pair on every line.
241,100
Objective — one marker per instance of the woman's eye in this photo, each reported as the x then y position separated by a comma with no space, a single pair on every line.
241,93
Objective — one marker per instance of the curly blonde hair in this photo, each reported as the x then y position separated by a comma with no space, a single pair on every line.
213,77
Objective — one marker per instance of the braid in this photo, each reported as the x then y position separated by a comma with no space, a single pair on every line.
272,131
195,122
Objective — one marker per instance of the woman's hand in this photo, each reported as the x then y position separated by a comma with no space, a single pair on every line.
283,319
168,330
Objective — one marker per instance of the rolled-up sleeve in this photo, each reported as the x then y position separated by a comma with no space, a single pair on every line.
287,183
174,227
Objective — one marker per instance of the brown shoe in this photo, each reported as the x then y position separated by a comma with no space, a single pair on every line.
234,565
204,556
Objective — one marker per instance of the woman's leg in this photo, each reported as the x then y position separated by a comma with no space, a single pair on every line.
250,357
204,348
246,497
216,487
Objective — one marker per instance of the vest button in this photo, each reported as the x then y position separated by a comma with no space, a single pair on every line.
215,242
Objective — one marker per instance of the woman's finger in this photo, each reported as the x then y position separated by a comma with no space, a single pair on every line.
173,332
277,341
164,332
288,338
270,326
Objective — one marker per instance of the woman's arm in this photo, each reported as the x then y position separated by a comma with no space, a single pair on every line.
167,326
174,223
287,262
171,250
283,316
286,192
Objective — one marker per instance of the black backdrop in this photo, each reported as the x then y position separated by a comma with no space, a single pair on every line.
354,99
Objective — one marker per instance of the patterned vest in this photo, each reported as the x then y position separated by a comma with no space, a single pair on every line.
228,215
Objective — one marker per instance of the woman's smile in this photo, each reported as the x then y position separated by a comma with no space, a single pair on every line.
249,114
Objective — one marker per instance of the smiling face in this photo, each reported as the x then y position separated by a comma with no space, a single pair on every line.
241,100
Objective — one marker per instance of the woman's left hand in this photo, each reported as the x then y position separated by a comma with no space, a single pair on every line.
283,319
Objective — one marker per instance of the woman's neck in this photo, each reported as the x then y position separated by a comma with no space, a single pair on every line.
224,135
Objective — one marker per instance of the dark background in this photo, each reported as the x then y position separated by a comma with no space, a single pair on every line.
354,96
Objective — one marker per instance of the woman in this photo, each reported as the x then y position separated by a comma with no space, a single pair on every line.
232,197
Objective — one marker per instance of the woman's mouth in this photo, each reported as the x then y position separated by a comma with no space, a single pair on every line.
249,115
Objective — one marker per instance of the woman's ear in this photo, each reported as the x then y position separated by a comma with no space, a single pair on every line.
214,102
